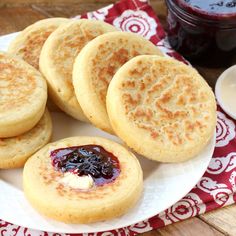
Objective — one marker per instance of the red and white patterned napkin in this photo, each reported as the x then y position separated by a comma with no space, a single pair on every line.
216,188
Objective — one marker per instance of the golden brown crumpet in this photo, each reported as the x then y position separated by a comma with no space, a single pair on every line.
65,200
29,42
16,150
95,66
57,58
23,95
162,108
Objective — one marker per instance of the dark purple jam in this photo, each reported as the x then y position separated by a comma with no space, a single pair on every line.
203,31
91,160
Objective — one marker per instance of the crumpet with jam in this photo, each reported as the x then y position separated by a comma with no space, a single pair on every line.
87,179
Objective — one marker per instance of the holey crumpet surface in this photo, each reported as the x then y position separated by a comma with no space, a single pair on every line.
162,108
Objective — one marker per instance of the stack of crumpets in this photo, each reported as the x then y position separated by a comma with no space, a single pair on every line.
25,125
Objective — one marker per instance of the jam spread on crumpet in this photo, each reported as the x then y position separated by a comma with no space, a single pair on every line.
87,160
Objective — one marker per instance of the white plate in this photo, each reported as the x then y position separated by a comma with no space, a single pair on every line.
227,76
164,184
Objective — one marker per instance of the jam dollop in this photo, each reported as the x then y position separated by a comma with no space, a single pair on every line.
91,160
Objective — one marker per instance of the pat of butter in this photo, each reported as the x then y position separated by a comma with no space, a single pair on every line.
77,182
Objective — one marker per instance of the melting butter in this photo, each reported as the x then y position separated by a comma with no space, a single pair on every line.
77,182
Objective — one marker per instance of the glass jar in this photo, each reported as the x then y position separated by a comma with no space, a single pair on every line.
203,31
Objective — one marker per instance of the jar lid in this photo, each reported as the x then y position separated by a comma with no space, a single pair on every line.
217,10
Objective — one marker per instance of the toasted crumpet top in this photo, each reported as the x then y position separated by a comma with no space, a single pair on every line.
57,58
23,93
29,42
161,108
96,65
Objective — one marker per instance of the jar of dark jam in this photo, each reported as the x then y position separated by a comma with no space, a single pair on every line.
203,31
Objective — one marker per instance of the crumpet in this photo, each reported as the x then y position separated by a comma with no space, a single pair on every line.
162,108
23,96
86,179
57,58
16,150
29,42
95,66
